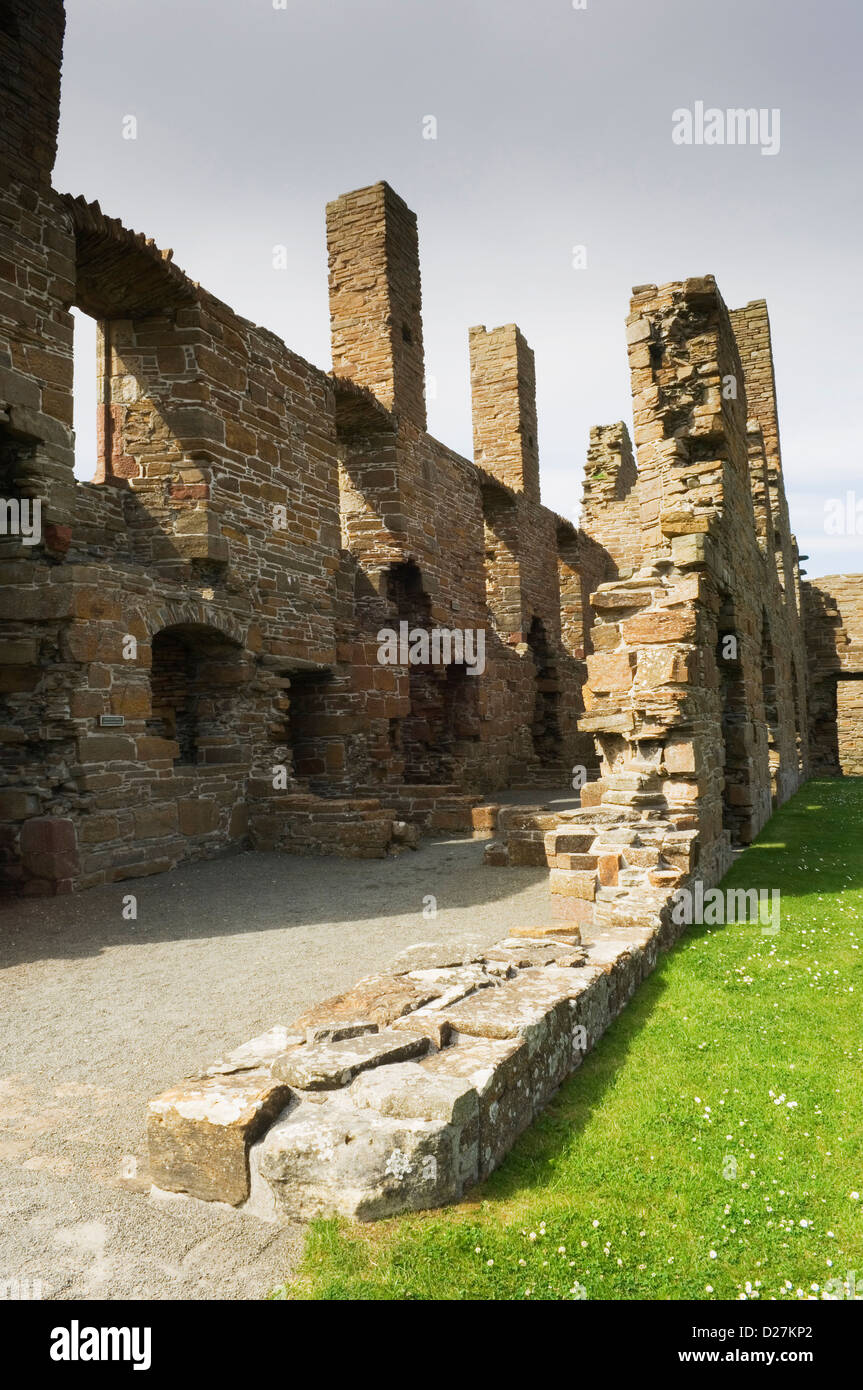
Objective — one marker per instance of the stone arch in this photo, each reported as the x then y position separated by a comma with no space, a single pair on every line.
192,613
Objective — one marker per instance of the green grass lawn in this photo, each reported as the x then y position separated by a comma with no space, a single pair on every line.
711,1146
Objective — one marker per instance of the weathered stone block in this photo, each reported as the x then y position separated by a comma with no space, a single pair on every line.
573,883
97,830
379,998
15,805
409,1091
689,550
661,625
153,822
49,848
608,866
526,853
106,748
498,1070
337,1158
329,1066
591,793
496,855
258,1053
568,840
156,749
610,671
199,1133
198,816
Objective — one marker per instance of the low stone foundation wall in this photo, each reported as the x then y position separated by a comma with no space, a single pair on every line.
352,828
409,1088
435,808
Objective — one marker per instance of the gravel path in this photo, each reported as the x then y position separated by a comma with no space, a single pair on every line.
100,1013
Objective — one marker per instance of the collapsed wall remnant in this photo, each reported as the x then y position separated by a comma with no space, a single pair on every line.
834,635
696,690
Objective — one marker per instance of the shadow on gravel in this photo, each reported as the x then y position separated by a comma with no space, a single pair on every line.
258,892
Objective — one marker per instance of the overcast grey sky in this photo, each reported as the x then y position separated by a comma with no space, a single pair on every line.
554,131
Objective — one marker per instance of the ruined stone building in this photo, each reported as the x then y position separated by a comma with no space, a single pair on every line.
190,644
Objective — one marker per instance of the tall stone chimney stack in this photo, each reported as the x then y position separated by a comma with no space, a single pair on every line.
503,385
375,299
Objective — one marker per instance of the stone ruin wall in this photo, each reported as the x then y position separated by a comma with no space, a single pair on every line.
666,644
610,508
405,1091
255,645
833,608
721,724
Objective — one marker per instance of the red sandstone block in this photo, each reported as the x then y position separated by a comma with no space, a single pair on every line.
572,910
608,868
180,493
663,626
591,793
58,538
48,834
608,671
573,883
49,850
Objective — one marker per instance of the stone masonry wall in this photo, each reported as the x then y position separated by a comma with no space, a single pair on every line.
191,646
406,1090
503,385
610,509
190,652
833,608
695,690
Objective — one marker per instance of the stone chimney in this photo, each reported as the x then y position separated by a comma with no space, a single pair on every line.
503,384
375,298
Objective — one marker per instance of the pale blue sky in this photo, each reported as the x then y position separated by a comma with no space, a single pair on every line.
554,130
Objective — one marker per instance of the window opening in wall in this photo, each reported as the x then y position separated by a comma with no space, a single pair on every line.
195,676
86,350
